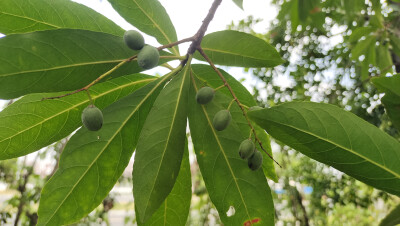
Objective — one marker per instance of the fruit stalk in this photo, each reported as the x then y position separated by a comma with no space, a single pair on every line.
201,51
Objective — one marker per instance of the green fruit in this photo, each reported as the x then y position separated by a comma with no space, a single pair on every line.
134,40
255,161
221,120
255,108
148,57
92,118
205,95
246,149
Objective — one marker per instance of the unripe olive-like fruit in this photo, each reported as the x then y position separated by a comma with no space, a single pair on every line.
134,40
221,120
255,108
92,118
148,57
205,95
246,149
255,161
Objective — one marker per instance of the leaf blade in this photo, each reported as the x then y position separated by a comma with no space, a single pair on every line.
234,48
338,138
59,60
229,181
150,17
51,120
16,17
207,75
360,32
239,3
391,100
175,209
90,156
160,148
393,218
362,47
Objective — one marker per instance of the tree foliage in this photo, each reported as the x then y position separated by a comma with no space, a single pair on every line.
51,62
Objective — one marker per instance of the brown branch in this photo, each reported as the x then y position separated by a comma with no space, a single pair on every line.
203,28
236,99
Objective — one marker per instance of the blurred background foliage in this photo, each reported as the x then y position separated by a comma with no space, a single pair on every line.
332,50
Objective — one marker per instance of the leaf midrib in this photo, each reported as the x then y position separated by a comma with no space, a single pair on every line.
29,18
76,105
169,135
340,146
107,143
156,24
62,67
237,54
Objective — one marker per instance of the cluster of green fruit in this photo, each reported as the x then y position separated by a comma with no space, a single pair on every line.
221,120
247,150
148,56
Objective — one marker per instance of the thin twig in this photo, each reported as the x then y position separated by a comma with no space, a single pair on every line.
173,57
176,43
92,83
236,99
203,28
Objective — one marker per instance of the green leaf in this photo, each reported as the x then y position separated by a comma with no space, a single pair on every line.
294,15
30,123
395,44
384,59
391,100
352,7
234,48
92,162
376,20
239,3
393,218
150,17
360,32
361,47
370,57
175,209
318,20
162,142
59,60
338,138
208,77
229,181
21,16
304,7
